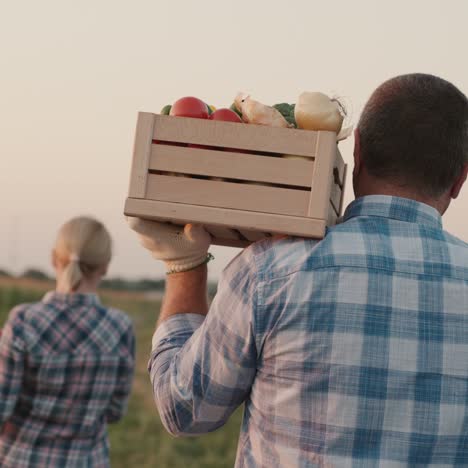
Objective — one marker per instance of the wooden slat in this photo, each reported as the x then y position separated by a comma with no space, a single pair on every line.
323,174
222,232
228,195
236,135
343,187
332,215
340,165
183,213
252,235
141,155
335,197
230,242
232,165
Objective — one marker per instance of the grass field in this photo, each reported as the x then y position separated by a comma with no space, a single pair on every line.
139,440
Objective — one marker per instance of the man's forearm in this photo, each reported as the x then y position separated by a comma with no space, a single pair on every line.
186,292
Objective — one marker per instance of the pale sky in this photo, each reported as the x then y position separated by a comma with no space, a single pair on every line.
74,74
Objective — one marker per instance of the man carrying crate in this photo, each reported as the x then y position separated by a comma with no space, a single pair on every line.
349,351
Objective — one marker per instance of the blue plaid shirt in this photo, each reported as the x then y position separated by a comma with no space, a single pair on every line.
348,352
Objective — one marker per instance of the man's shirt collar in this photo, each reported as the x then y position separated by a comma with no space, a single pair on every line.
77,299
401,209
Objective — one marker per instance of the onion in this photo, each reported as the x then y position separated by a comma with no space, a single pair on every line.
316,111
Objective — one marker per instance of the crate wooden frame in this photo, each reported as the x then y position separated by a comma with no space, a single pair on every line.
242,194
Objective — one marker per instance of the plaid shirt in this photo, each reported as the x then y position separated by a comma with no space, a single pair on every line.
66,367
349,352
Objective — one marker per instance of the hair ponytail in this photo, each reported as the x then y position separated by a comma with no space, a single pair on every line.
83,246
71,276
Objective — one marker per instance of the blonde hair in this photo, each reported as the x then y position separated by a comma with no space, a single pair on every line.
83,246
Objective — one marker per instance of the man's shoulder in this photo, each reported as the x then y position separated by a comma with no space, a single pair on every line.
367,243
278,256
457,253
288,249
455,241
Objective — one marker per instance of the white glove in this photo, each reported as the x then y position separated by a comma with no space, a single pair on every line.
181,248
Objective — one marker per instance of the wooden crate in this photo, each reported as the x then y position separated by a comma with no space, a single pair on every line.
242,194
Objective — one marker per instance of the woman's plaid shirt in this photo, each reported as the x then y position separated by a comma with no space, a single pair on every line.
66,367
349,352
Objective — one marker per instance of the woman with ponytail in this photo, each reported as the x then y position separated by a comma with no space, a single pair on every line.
66,363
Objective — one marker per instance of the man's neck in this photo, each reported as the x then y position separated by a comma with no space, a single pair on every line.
384,188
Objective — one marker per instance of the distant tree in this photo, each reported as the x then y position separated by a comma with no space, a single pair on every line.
118,284
5,273
145,285
34,273
141,285
150,285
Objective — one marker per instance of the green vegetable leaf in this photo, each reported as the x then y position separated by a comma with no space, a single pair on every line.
166,110
287,111
236,110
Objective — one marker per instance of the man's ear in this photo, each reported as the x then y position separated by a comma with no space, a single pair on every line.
459,182
357,152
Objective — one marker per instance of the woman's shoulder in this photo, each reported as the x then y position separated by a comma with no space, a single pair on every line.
20,312
18,321
119,317
43,310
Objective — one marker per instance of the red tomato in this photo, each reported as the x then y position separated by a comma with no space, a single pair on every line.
189,107
227,115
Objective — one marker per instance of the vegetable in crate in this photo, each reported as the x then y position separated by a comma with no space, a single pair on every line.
287,111
190,107
166,110
211,109
236,110
316,111
255,112
226,115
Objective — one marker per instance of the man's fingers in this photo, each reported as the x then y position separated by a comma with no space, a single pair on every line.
132,222
160,232
147,227
195,232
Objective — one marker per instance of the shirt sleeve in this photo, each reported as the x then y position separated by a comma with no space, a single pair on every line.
119,400
201,368
12,357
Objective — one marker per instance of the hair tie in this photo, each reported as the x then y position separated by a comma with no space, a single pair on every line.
74,258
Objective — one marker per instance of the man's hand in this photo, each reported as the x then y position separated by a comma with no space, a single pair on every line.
181,249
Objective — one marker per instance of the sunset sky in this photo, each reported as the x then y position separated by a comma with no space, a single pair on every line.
74,74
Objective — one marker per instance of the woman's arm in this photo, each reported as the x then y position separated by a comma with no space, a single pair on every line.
118,403
11,364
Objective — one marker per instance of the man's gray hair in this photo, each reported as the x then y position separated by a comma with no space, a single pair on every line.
414,132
